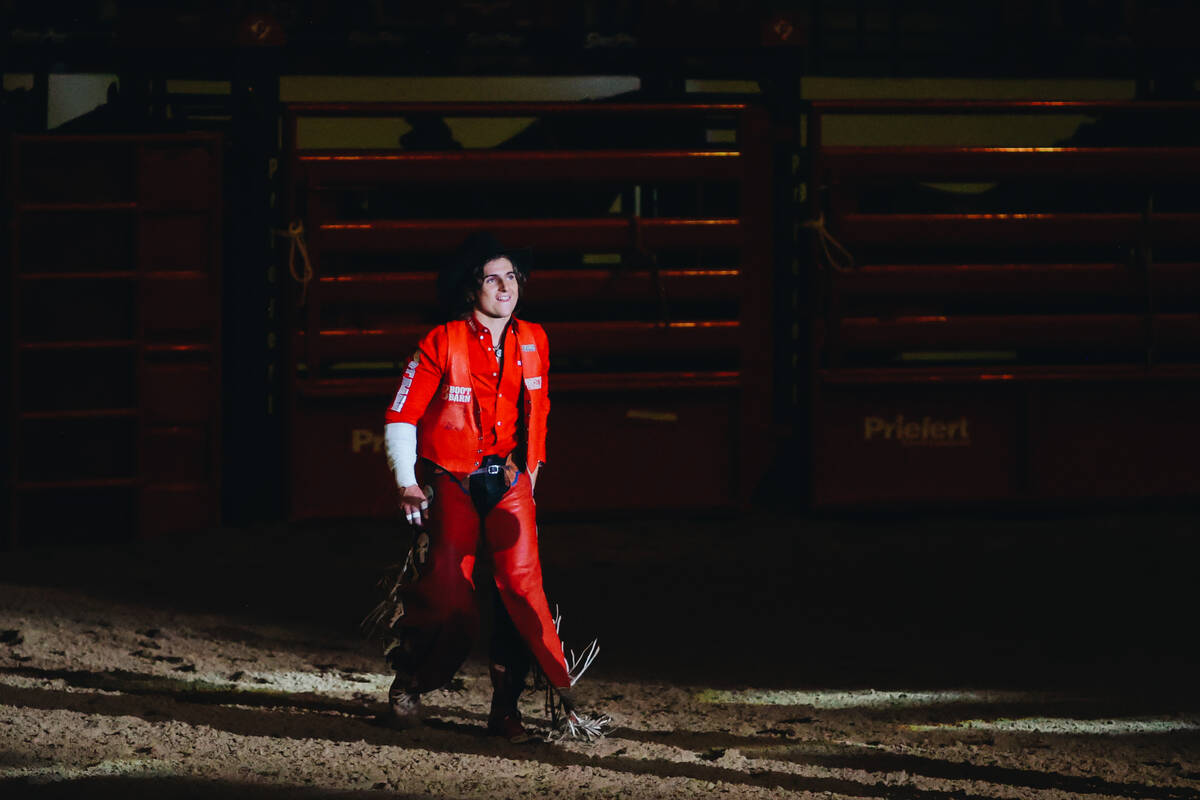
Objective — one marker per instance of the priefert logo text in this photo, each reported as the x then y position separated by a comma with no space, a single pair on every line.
927,431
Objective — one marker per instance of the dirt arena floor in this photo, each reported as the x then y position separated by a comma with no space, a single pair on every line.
921,658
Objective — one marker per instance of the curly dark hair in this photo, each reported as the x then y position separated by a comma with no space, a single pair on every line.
461,279
469,289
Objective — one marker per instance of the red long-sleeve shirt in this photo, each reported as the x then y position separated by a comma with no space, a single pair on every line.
497,385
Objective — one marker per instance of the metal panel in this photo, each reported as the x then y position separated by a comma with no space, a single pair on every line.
641,450
116,251
570,338
573,234
637,451
1087,314
1045,331
1115,440
991,230
1008,280
564,382
336,169
337,466
1138,164
552,286
915,444
694,327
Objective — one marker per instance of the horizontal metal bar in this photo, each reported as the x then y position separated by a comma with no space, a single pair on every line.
1012,229
115,275
176,347
172,275
104,206
506,109
569,338
1175,277
79,344
79,483
552,285
715,337
82,413
871,376
906,280
1140,164
333,169
567,382
558,234
1000,106
178,487
1173,331
1035,331
643,381
110,139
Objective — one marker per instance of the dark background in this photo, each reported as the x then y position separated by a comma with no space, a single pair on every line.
1088,594
772,45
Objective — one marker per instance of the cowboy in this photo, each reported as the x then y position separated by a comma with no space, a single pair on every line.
465,439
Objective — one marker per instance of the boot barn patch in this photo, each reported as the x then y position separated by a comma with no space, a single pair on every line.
533,383
926,432
457,394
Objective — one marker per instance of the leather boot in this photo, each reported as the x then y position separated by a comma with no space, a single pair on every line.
505,718
404,706
567,696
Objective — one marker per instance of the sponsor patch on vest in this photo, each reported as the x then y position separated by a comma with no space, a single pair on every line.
457,394
528,348
405,384
533,383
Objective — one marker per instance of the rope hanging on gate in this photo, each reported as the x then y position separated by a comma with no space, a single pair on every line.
295,235
836,255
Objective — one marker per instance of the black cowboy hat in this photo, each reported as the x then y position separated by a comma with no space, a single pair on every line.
475,251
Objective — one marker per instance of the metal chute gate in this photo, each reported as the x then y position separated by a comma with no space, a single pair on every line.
653,278
1038,340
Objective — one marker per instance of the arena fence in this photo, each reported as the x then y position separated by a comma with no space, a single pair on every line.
1034,338
115,339
649,227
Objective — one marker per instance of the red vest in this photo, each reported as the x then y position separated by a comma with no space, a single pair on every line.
448,434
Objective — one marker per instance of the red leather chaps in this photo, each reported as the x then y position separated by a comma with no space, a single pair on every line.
441,618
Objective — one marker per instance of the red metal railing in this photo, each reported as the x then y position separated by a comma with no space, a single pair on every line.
643,307
917,273
1077,271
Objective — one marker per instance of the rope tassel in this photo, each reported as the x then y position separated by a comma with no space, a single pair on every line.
566,723
583,728
576,666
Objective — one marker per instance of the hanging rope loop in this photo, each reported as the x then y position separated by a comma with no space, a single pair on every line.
836,255
295,236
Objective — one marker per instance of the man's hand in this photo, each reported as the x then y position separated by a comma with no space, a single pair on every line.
415,505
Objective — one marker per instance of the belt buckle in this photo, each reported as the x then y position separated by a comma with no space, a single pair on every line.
494,469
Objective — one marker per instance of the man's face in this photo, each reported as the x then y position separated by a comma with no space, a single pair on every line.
497,296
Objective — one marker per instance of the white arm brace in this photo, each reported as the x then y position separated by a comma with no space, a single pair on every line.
400,440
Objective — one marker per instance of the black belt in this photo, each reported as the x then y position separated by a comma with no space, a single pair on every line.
488,484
